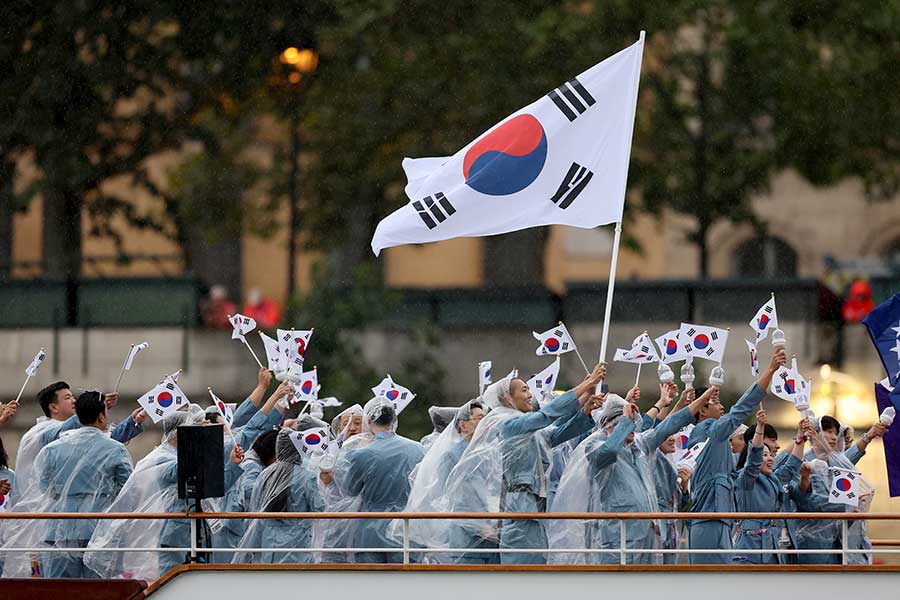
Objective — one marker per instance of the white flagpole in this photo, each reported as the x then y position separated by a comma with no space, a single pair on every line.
638,377
250,348
618,235
122,372
22,389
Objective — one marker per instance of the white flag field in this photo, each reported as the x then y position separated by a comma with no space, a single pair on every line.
562,159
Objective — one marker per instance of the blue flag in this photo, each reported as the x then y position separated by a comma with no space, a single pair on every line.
883,324
891,441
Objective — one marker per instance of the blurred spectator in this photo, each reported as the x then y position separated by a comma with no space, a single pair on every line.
216,308
265,311
859,302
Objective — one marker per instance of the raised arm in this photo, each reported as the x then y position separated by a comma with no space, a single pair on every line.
609,449
748,475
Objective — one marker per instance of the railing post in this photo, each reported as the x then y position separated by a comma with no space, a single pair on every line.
405,541
622,557
844,541
193,539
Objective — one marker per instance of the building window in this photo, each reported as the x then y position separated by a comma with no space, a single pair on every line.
765,257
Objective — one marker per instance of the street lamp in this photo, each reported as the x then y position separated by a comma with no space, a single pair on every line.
293,70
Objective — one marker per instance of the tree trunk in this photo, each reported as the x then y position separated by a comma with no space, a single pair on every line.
62,234
515,259
703,246
355,247
6,219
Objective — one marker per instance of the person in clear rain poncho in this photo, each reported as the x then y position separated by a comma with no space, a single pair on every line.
506,465
153,488
712,484
440,416
287,485
58,405
82,471
378,473
428,493
350,430
613,471
827,451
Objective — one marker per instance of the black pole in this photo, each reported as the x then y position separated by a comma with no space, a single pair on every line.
292,194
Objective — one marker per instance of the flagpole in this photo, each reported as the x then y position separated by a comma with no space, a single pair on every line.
583,364
638,377
250,348
22,389
618,234
227,428
122,372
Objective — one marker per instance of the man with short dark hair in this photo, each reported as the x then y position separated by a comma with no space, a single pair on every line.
83,472
58,403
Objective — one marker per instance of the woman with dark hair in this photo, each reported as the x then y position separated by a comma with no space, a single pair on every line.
760,487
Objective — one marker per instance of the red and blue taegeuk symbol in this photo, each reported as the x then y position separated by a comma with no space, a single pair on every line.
671,347
549,379
164,399
790,386
392,394
763,322
701,341
508,159
312,439
551,344
843,484
301,346
307,387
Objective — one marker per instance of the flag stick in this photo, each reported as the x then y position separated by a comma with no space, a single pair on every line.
583,364
250,348
227,428
122,372
22,389
638,377
618,235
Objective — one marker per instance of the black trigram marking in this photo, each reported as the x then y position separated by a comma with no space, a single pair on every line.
714,335
564,346
572,98
768,309
572,185
159,412
558,333
691,331
834,493
429,209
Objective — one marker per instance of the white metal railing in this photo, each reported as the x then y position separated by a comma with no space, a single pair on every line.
407,549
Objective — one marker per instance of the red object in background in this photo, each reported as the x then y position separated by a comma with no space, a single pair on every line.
858,303
215,313
266,313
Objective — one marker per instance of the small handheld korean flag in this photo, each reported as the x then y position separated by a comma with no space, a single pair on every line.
701,341
484,375
789,385
382,388
311,441
241,326
308,388
554,341
134,352
274,357
223,409
689,458
544,382
754,358
563,159
765,320
163,400
844,487
294,343
681,440
642,351
31,370
669,348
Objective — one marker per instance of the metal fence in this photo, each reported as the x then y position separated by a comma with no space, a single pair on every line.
408,549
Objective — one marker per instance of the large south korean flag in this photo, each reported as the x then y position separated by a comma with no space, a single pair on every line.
562,159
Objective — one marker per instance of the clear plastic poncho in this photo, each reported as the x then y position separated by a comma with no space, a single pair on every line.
336,533
287,485
816,534
152,488
82,471
497,474
626,484
441,416
29,446
428,488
